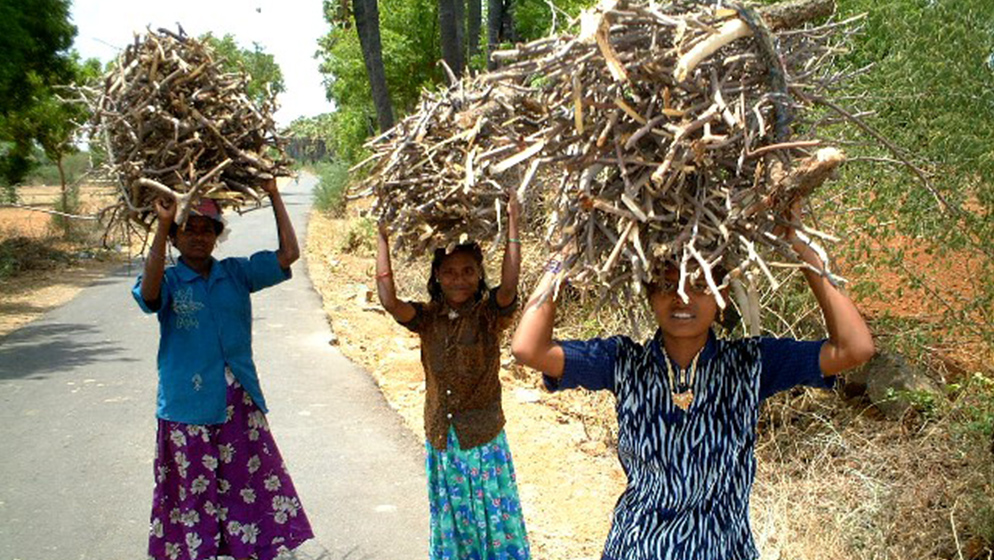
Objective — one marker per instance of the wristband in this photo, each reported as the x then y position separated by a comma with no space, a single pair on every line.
554,266
513,240
384,274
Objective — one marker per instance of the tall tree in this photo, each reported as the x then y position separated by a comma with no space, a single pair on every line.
367,23
495,19
451,26
473,23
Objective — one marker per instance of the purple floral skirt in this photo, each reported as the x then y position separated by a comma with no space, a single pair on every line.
222,489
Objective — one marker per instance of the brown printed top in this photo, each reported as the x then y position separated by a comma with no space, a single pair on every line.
460,352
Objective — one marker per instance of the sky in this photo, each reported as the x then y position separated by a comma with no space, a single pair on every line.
287,29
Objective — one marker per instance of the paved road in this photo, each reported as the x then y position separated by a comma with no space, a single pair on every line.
77,393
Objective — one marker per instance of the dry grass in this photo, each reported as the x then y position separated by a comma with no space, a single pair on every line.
835,481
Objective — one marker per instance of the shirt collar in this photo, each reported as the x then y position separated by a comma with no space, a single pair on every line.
187,274
707,352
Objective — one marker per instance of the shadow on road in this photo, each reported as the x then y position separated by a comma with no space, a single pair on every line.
40,350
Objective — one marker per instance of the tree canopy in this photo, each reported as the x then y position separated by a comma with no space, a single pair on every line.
35,37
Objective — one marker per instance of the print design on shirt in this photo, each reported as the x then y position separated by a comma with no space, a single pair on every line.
185,308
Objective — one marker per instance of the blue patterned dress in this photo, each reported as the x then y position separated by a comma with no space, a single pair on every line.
689,473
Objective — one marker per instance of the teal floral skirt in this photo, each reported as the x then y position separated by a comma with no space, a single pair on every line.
475,510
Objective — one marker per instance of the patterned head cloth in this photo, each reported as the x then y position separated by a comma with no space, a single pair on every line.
209,208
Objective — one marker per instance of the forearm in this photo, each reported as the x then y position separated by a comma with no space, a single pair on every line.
155,264
288,251
850,342
532,344
510,270
386,288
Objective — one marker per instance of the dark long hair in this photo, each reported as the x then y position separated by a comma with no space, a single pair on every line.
473,250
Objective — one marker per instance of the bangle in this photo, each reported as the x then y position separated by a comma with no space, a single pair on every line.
384,274
554,266
513,240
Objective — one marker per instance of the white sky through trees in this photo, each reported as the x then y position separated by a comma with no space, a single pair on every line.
287,29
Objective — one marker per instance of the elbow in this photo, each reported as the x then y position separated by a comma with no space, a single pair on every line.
863,352
523,352
289,256
859,353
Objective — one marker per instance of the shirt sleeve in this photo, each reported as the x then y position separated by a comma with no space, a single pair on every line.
503,311
416,322
263,270
588,364
155,306
788,363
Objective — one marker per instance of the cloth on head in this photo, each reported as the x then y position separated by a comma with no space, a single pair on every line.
208,207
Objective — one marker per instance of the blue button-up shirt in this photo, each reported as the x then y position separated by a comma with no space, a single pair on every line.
205,325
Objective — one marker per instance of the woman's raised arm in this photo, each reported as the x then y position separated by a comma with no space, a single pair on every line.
401,310
532,344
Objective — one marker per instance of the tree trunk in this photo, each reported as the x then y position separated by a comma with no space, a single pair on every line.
508,33
450,23
367,22
65,195
473,24
495,11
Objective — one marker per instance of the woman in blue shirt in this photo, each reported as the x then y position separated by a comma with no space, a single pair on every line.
221,488
687,406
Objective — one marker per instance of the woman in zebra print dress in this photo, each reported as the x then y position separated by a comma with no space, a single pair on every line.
687,406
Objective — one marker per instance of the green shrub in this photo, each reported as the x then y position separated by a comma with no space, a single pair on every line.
329,193
21,254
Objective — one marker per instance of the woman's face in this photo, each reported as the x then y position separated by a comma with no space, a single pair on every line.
197,240
678,319
459,277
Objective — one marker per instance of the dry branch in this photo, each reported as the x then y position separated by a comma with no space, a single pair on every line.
175,124
657,137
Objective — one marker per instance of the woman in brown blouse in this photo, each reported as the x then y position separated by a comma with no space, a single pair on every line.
473,497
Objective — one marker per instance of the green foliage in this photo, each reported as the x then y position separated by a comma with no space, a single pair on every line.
409,36
312,138
329,193
533,19
75,165
930,90
975,410
266,76
35,36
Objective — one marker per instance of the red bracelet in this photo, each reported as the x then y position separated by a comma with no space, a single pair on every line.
384,274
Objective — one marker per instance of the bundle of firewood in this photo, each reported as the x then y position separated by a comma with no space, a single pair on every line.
674,134
175,124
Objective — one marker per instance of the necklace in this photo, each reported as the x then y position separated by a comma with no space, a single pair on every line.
682,399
